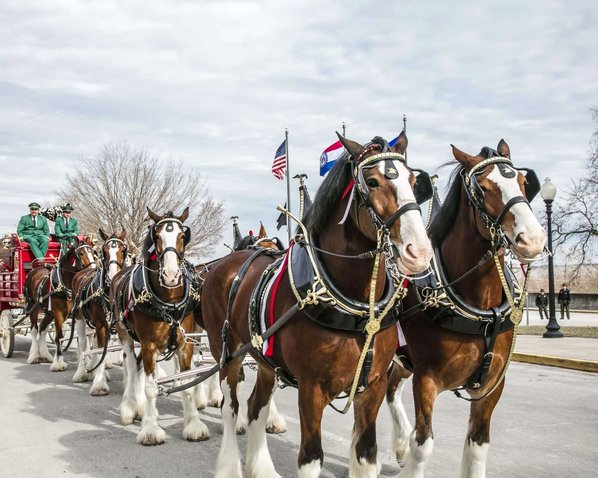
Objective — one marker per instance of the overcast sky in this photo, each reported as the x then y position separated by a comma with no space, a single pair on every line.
216,83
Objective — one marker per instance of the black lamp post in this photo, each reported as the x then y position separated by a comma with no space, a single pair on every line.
548,192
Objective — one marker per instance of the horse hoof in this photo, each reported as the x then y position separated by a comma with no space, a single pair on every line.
241,430
80,378
99,392
151,435
274,429
196,431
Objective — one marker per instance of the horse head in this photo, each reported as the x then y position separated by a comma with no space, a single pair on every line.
500,194
388,194
169,237
114,252
82,250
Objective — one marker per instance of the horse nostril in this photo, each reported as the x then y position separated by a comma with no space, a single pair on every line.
521,239
409,252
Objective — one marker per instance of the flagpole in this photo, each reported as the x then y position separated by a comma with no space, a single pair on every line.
286,142
344,129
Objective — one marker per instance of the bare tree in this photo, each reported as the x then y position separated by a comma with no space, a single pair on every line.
113,188
576,223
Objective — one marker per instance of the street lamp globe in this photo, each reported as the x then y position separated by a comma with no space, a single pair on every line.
548,190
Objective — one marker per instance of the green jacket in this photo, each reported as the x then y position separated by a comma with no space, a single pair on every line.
26,227
61,231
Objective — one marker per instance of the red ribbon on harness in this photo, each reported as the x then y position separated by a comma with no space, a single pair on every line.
270,348
348,188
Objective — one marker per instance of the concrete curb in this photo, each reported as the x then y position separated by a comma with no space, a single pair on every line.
583,365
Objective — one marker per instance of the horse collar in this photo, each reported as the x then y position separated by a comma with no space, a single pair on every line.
444,306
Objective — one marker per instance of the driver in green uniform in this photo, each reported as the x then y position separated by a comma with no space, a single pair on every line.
67,228
34,230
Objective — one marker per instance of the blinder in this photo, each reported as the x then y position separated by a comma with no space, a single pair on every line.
423,188
532,184
187,232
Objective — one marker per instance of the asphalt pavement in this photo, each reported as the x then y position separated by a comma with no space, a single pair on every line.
544,426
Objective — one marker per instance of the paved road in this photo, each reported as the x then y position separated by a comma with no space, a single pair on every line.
545,426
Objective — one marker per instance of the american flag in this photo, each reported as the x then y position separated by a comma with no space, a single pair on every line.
279,166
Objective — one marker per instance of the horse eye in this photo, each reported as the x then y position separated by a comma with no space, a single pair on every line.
372,183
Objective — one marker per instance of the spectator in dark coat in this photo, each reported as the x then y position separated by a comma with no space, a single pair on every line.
565,300
542,303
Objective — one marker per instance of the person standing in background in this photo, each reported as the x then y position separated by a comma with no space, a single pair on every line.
565,300
542,303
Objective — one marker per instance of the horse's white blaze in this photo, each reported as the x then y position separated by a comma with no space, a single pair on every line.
171,271
90,258
112,260
415,249
310,470
474,460
526,226
228,463
418,456
259,463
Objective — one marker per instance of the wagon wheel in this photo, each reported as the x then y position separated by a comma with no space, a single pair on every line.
67,334
7,334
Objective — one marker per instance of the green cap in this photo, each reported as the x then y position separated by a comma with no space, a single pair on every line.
34,205
67,208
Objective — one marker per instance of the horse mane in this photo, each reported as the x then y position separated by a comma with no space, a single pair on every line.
318,216
67,257
245,243
444,219
147,244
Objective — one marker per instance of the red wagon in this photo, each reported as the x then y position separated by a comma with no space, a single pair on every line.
16,261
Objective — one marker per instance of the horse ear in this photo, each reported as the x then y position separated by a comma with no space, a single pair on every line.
465,159
354,149
102,234
185,215
153,216
262,232
401,144
503,149
123,234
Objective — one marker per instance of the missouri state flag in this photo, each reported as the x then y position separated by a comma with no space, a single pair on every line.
279,166
329,156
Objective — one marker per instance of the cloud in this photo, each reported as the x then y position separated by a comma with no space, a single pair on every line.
216,83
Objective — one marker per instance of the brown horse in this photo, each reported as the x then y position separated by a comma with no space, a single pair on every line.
153,303
462,338
50,291
371,195
276,422
91,290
